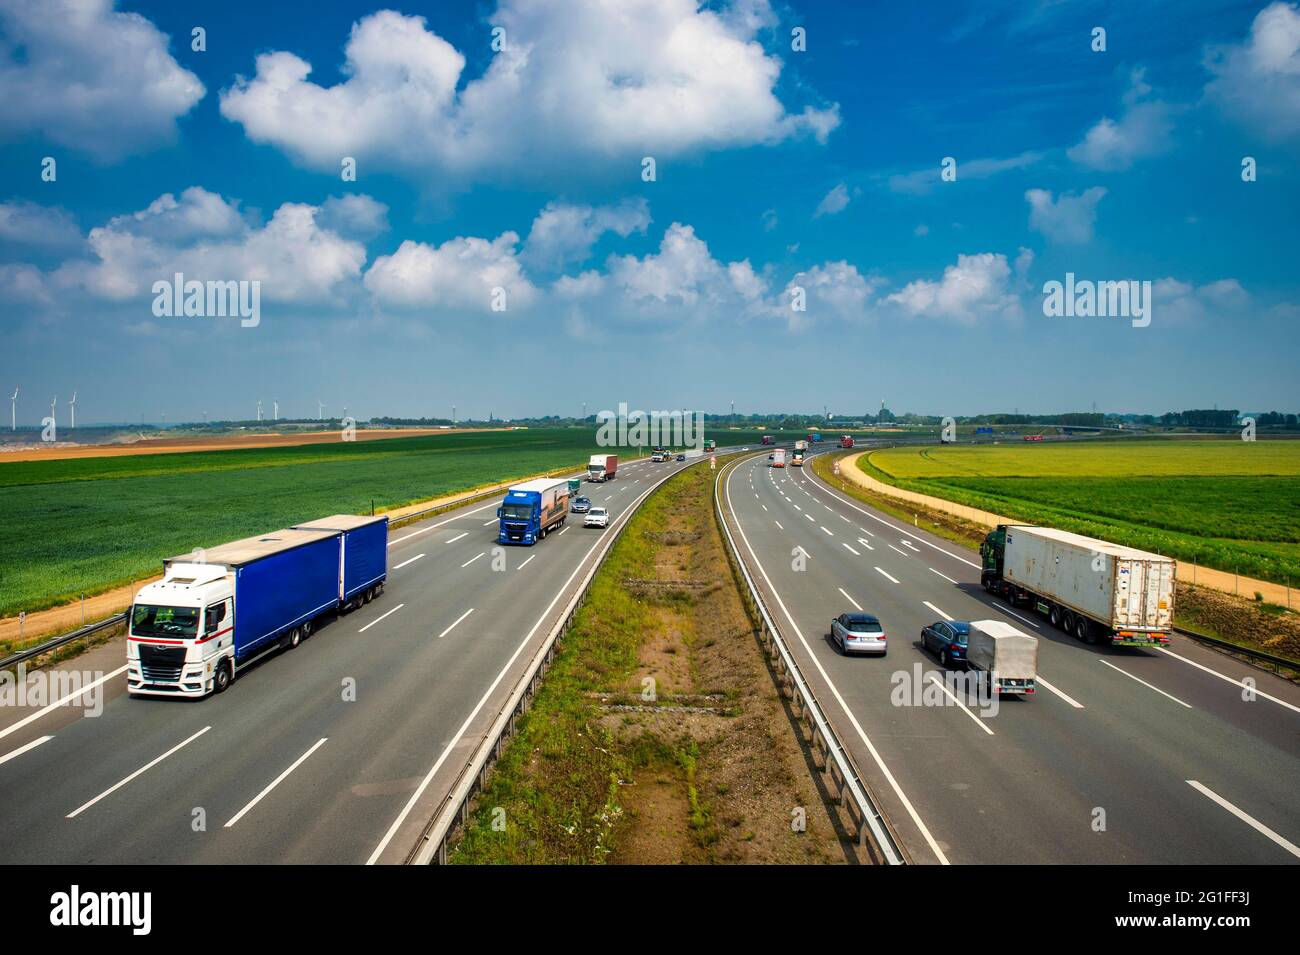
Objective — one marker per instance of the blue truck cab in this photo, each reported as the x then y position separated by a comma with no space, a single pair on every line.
531,510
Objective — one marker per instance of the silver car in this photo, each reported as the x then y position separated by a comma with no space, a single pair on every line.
859,633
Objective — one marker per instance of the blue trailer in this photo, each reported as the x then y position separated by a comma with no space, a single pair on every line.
363,558
215,610
531,510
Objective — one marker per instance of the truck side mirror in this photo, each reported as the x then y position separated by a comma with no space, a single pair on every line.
498,513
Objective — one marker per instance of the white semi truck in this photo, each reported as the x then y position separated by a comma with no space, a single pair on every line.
602,467
1093,589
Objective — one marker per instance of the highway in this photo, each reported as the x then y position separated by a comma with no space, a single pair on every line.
1125,755
338,751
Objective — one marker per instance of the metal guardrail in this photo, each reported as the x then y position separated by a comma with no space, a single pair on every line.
56,642
873,832
1226,645
432,847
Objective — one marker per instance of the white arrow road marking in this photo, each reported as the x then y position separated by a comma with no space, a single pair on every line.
865,543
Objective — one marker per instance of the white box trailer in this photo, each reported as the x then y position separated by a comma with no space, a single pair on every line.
1007,656
1091,588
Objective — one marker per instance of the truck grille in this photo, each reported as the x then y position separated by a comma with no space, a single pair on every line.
161,664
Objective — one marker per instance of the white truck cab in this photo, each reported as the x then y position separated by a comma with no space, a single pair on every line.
181,636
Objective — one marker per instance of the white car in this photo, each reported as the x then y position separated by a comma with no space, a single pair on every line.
596,517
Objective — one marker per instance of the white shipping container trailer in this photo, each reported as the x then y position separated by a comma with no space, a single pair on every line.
1096,590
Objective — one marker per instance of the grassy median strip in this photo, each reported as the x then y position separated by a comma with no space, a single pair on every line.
657,735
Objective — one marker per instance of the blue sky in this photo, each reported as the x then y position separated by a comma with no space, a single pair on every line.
521,170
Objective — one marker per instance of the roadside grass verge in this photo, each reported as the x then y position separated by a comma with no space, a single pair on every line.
657,735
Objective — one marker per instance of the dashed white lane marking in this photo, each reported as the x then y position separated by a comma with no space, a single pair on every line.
903,552
763,506
823,527
948,693
944,576
1146,684
936,610
562,530
143,769
454,624
474,558
1239,683
811,518
525,563
851,550
778,524
62,701
490,523
410,561
278,779
886,576
458,537
23,749
377,619
1245,817
1051,689
856,605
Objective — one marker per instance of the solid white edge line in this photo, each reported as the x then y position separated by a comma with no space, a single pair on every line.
1146,684
143,769
457,621
275,782
853,720
425,530
377,619
433,770
1222,676
48,707
964,708
22,749
856,605
1038,678
1245,817
410,560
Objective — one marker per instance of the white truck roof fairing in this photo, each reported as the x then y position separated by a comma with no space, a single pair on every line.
240,552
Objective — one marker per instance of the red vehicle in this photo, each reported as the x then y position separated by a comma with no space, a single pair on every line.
846,441
768,439
1033,437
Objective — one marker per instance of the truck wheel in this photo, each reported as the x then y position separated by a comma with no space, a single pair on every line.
1082,629
295,637
1054,616
541,535
222,680
370,595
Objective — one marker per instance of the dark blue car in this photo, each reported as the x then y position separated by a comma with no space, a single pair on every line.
947,638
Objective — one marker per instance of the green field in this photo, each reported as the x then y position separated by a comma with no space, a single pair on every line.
1232,505
90,524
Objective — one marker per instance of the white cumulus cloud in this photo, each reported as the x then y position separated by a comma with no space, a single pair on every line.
1258,81
1069,218
89,77
1143,130
582,79
975,287
463,272
564,233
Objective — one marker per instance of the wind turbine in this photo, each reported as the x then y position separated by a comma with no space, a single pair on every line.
52,404
320,410
13,411
72,406
259,410
275,409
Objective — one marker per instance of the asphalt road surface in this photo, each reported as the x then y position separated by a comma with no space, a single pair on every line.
1125,755
282,767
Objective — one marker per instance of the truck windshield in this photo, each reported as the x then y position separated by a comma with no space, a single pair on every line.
150,621
518,512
